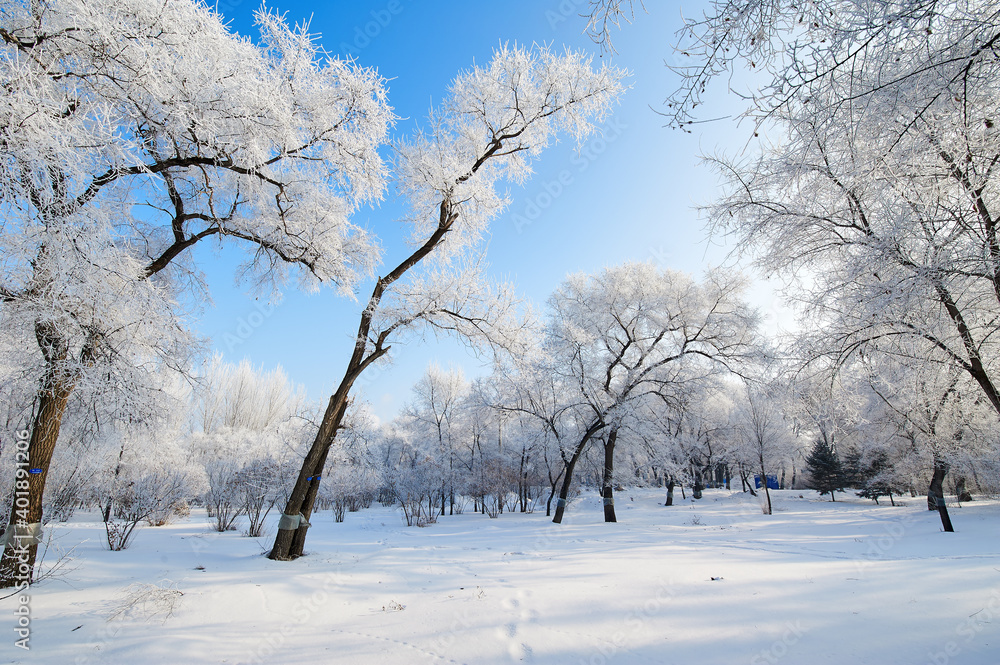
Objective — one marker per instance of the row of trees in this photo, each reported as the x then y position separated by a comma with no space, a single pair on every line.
520,437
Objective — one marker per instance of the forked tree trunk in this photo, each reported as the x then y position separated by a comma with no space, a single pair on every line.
607,486
18,560
570,466
935,494
289,543
299,539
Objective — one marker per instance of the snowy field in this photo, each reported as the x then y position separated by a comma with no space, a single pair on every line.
704,582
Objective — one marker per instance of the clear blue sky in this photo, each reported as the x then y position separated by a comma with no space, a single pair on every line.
630,193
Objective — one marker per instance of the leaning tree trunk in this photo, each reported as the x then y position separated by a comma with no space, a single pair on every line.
607,487
293,523
21,547
935,494
570,466
297,547
289,542
567,482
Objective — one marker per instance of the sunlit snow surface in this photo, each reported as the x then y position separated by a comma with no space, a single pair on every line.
711,581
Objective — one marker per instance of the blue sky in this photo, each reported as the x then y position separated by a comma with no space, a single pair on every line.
626,195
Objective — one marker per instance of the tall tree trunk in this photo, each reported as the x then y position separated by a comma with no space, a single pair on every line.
607,486
302,497
17,563
18,560
298,544
935,494
767,492
289,542
569,467
552,492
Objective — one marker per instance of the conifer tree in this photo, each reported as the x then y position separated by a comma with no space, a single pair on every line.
825,468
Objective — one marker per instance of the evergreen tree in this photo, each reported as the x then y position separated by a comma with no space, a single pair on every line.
825,468
872,475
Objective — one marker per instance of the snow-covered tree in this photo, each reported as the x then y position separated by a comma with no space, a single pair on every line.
247,425
495,120
134,130
936,418
629,339
893,245
761,428
432,418
917,53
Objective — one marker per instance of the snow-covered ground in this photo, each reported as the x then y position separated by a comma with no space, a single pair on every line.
712,581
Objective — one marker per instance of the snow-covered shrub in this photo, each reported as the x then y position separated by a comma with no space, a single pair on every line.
135,496
224,494
257,492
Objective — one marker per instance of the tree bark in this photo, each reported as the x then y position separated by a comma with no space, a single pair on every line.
570,466
290,543
670,492
935,494
767,492
18,560
607,487
553,482
301,498
18,557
